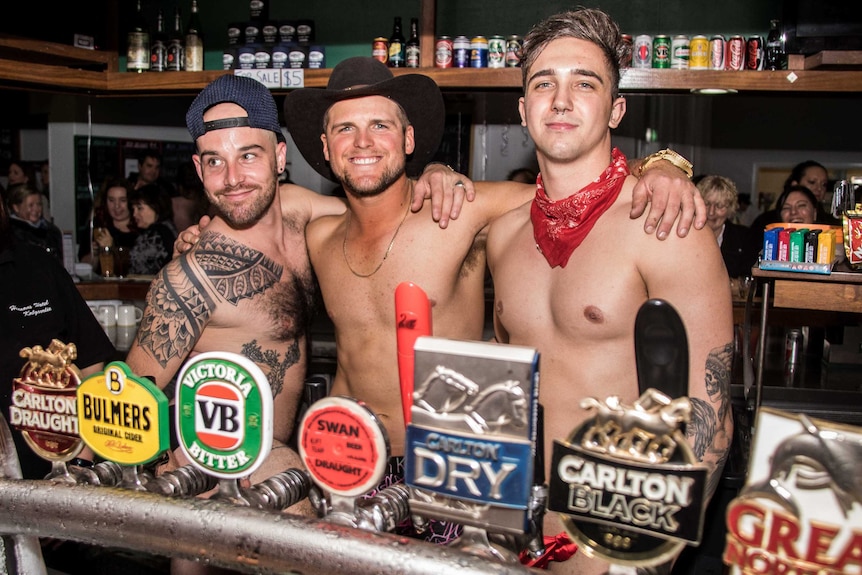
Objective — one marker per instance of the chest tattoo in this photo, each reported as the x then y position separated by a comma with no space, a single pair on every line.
236,271
276,366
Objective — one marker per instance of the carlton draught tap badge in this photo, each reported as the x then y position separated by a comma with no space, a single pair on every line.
123,417
800,511
224,414
43,401
471,441
626,480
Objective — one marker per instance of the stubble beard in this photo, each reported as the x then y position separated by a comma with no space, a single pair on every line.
244,215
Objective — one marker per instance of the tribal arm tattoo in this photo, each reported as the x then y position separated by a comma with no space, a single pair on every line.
711,428
235,270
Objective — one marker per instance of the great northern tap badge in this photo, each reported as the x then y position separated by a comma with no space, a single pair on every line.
626,482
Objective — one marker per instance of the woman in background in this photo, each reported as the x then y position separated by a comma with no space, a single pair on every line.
737,249
27,223
151,209
112,219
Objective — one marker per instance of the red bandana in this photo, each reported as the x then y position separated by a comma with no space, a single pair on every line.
560,227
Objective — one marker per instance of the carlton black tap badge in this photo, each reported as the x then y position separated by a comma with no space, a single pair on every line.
626,482
800,512
43,401
471,441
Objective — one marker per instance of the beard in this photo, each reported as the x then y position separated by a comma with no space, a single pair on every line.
242,215
366,187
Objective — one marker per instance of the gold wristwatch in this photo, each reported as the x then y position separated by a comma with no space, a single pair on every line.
670,156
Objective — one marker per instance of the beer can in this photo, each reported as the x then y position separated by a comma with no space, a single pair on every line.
627,56
754,53
698,58
461,52
679,52
642,53
443,52
735,59
514,44
661,52
717,51
479,52
496,52
380,49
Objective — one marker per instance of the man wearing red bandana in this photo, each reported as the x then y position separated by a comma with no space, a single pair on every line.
571,269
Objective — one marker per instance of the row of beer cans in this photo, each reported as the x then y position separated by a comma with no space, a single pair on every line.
682,52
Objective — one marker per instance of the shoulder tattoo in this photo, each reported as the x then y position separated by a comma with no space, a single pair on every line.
235,270
178,310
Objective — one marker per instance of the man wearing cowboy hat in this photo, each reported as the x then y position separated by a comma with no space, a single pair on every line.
374,130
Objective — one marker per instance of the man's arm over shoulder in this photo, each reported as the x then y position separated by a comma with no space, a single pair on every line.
178,309
690,275
308,204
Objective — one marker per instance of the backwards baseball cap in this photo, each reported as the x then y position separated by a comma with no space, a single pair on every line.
248,93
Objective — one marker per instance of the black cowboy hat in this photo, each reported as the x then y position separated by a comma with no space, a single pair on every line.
357,78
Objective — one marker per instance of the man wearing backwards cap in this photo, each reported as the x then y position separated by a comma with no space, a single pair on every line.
372,127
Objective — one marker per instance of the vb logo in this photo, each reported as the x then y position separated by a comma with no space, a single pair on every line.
219,409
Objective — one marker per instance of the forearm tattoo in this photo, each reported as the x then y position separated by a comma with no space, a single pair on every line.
180,307
276,367
709,429
236,271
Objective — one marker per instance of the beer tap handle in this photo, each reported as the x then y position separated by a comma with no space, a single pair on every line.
412,320
661,349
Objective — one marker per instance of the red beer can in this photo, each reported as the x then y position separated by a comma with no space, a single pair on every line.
735,59
380,49
717,49
754,53
443,52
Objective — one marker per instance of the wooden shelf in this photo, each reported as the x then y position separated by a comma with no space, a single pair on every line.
56,67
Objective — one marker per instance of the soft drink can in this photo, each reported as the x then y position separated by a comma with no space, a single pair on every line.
627,57
461,52
479,52
642,52
735,59
380,49
754,53
514,44
679,52
661,52
443,52
698,58
717,51
496,52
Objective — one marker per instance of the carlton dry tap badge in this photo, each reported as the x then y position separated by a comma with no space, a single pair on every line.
43,401
123,417
224,414
800,511
626,482
471,441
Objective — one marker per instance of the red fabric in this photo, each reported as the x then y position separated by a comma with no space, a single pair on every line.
557,548
560,227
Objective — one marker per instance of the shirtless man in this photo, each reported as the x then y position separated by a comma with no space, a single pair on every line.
371,123
576,299
247,286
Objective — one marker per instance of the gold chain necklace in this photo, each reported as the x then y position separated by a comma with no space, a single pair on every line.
385,255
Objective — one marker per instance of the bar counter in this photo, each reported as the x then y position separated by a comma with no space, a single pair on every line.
134,288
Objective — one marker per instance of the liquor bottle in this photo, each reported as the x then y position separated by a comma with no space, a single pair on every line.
159,47
775,56
194,41
396,45
138,53
176,45
411,51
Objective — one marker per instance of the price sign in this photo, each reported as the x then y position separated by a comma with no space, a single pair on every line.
274,78
292,78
